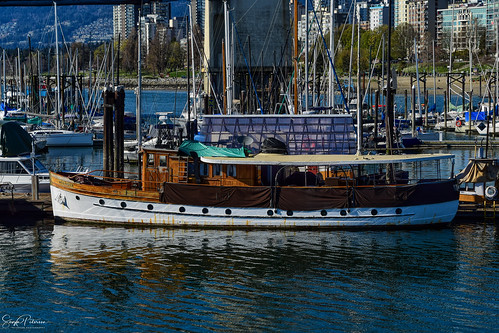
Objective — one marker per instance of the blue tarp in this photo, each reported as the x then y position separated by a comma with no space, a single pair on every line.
475,116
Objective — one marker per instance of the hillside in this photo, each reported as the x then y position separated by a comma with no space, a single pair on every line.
82,23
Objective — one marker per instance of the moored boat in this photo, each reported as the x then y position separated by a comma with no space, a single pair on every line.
200,186
63,138
17,166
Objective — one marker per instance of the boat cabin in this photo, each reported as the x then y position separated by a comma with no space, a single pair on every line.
217,169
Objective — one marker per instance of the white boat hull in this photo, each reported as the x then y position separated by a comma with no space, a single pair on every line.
22,183
71,206
65,138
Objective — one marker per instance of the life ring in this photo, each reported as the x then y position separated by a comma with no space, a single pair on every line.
458,123
491,192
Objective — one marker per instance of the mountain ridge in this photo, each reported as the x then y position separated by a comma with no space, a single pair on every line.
82,23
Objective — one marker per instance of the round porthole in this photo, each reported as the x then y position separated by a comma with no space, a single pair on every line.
374,212
228,211
77,198
205,210
289,212
323,212
181,209
270,212
398,211
123,204
343,212
101,201
150,207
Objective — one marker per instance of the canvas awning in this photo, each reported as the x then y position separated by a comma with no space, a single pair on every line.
479,171
192,148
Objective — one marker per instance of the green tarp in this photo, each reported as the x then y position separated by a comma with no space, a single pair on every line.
14,140
189,147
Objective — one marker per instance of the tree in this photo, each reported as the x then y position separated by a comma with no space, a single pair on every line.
403,41
175,56
129,53
156,58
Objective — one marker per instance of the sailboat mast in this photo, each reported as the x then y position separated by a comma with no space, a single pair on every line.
4,87
434,79
295,76
359,101
306,54
351,54
389,101
58,99
193,64
228,59
138,108
417,78
331,51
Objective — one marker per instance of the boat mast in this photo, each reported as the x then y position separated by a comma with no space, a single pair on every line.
451,46
228,59
138,108
417,79
349,97
306,55
295,79
20,100
4,79
434,80
331,48
389,101
39,80
359,101
193,64
58,99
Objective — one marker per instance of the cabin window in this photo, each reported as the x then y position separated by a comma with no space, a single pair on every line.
11,167
231,170
39,167
204,169
162,161
217,170
150,160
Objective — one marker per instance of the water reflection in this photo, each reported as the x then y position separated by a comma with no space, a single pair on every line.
196,280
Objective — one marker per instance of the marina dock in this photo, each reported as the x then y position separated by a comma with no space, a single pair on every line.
21,207
451,144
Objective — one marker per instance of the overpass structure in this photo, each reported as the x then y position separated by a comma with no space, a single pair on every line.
40,3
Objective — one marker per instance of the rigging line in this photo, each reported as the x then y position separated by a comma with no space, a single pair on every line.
247,66
372,73
247,11
332,65
205,58
280,76
266,42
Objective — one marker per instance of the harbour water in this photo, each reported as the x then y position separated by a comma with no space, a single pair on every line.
72,278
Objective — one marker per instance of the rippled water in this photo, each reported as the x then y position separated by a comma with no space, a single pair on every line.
87,278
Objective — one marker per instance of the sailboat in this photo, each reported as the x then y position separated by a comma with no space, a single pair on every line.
56,136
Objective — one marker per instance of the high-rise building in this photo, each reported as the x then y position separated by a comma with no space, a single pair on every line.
465,22
124,20
378,16
198,12
421,14
125,17
160,7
